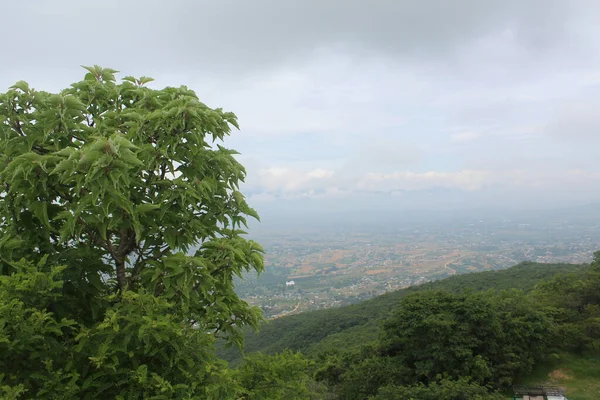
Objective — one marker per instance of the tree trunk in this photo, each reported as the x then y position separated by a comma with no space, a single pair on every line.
121,278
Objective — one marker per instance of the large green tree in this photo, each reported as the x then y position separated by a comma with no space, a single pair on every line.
123,200
574,302
488,337
281,376
437,345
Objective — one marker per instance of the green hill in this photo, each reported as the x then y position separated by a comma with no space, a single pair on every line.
358,324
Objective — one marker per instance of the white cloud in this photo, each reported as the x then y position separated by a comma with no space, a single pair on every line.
466,136
320,174
278,183
280,180
478,96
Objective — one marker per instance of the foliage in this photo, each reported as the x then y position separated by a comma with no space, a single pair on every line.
282,376
355,325
436,342
120,233
140,349
449,339
32,340
460,389
357,373
574,302
488,337
578,373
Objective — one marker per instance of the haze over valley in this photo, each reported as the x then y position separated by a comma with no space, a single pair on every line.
342,259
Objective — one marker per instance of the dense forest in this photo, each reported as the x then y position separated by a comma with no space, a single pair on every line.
122,227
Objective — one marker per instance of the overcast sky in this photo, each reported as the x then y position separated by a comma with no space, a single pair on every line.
356,104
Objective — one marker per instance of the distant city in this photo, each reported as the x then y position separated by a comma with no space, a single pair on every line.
323,268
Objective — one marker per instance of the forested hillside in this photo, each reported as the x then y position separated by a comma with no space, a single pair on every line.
467,337
357,324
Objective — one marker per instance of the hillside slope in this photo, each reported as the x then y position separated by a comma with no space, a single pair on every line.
358,324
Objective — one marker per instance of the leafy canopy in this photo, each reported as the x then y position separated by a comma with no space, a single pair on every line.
121,198
489,337
282,376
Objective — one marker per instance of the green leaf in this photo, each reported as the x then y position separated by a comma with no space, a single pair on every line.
95,281
252,212
102,227
41,212
144,79
171,238
63,166
22,85
74,103
130,158
144,208
12,243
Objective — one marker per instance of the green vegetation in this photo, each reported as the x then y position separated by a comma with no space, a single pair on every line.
107,188
491,337
282,376
358,324
577,373
468,336
439,344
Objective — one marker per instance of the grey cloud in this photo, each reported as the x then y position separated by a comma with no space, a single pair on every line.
274,29
575,122
519,76
380,154
213,37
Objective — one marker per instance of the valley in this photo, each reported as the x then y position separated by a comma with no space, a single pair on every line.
328,268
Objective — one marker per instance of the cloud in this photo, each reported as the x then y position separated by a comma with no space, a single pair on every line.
320,174
329,95
287,182
384,153
576,121
230,36
466,136
338,98
278,180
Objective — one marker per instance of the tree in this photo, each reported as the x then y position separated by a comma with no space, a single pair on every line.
356,374
460,389
489,338
123,198
282,376
573,300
